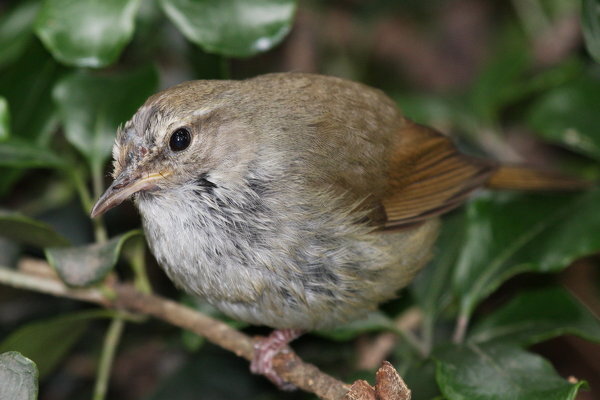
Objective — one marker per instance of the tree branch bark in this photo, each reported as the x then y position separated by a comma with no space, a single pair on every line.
287,364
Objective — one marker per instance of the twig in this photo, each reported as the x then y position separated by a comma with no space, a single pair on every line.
50,286
287,364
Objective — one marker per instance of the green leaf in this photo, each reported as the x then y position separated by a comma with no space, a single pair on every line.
509,234
590,23
569,115
18,377
22,229
27,85
535,316
86,33
235,28
48,341
498,372
16,30
374,321
444,113
87,265
4,119
92,107
420,378
20,154
494,87
192,342
431,285
215,374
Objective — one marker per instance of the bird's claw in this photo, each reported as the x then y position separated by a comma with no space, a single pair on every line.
267,348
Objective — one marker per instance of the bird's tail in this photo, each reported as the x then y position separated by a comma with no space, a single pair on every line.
524,178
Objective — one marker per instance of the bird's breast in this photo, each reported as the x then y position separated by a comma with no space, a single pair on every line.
312,269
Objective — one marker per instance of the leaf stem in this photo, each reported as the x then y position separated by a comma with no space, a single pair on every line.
97,183
460,329
82,190
413,341
137,261
427,333
111,341
87,201
532,16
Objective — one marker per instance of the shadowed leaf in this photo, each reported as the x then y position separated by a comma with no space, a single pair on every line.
16,30
535,316
508,234
18,377
498,372
374,321
4,119
590,23
47,341
27,85
92,107
21,154
22,229
87,265
420,378
569,115
431,285
86,33
495,86
235,28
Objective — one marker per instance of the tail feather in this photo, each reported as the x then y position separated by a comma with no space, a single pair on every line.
524,178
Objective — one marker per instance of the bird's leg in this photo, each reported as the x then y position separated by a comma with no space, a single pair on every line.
264,351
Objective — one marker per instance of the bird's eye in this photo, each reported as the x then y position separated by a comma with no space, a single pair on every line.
180,139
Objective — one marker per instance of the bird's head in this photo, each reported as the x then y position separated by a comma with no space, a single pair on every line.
178,136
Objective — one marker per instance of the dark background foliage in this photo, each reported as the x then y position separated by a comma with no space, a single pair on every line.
508,309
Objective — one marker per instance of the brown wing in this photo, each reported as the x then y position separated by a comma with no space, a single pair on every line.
429,176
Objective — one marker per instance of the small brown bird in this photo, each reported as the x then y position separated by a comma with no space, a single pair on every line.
292,200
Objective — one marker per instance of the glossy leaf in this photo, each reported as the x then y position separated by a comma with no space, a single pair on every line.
508,234
22,229
534,316
420,378
86,33
374,322
212,374
47,341
87,265
92,107
19,154
431,285
235,28
498,372
18,377
494,87
27,85
569,115
16,30
590,23
4,119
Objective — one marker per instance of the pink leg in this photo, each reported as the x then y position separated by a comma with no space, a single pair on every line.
264,351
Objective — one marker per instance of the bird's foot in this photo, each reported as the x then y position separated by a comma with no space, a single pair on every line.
267,348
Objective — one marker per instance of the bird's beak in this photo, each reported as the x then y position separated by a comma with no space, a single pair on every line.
122,188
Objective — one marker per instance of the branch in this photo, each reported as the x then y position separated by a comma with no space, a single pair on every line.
287,364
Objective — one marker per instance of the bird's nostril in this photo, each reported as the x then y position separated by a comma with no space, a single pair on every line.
122,184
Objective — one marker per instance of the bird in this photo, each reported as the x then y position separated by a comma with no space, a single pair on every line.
291,200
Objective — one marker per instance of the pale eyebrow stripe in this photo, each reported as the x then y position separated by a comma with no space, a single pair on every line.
203,111
146,115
